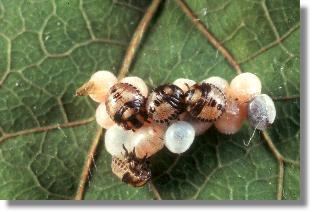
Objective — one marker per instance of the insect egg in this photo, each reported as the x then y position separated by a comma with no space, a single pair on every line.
179,137
102,118
205,102
98,86
147,140
261,112
138,83
232,119
245,86
184,84
115,138
165,103
126,106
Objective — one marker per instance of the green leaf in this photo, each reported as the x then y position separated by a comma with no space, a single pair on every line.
49,48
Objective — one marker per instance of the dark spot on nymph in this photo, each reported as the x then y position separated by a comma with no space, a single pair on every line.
114,89
152,109
157,103
213,103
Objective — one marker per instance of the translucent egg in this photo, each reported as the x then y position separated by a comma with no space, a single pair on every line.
98,86
114,139
184,84
147,140
245,86
179,137
232,119
219,82
102,117
261,112
138,83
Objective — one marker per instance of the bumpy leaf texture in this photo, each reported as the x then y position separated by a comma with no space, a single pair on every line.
48,48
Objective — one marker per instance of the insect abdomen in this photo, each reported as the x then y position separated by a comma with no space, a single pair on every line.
126,106
206,102
119,167
165,103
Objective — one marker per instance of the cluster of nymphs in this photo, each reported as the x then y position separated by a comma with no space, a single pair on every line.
139,123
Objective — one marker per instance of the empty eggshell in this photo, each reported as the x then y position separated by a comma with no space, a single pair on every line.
147,140
138,83
102,80
245,86
115,137
179,137
98,86
232,119
218,81
184,84
102,117
261,112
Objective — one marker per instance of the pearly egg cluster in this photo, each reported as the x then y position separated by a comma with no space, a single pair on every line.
139,124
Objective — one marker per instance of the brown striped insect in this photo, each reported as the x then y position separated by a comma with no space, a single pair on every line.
165,103
131,170
205,102
126,106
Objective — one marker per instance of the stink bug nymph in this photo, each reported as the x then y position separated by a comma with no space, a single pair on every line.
126,106
131,170
205,102
165,103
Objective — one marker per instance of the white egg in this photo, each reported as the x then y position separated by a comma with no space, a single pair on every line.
183,83
261,112
114,139
179,137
